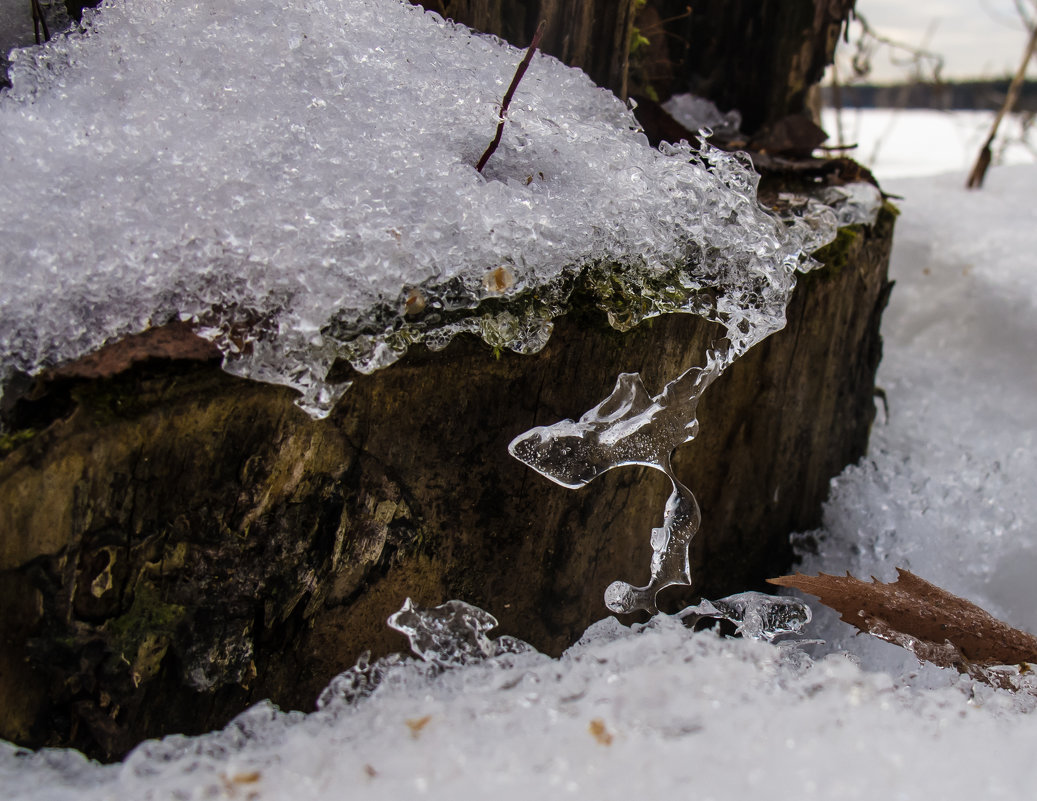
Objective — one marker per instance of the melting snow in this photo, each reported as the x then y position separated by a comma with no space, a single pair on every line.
298,179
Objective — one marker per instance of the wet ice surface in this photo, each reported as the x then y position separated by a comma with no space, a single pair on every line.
632,428
299,181
755,615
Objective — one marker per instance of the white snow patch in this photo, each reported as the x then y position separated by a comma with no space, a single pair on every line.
903,143
947,489
288,175
624,712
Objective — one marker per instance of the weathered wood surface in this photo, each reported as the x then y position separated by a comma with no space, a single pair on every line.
176,543
758,56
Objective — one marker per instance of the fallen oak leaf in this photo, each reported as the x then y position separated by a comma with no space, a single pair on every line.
929,621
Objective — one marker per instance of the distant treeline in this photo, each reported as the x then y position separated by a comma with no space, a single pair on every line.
960,95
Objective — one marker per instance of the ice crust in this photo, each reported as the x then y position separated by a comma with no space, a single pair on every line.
298,181
645,709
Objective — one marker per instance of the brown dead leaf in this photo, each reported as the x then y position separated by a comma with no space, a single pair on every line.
930,622
417,724
241,781
599,732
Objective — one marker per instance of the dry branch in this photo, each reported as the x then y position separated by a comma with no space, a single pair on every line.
519,72
979,169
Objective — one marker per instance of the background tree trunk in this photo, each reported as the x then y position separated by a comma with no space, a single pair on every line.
758,56
588,34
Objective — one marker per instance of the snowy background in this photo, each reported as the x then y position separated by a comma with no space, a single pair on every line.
947,490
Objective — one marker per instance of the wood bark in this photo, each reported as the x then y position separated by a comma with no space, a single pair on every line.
177,543
758,56
588,34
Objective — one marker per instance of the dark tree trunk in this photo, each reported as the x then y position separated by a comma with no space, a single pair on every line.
758,56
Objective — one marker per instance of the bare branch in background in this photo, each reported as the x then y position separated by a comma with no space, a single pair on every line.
921,61
979,169
924,65
1027,16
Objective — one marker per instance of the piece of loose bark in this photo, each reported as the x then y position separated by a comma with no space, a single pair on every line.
930,622
175,340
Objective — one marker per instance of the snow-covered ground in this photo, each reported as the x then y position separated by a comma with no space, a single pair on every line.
947,490
898,143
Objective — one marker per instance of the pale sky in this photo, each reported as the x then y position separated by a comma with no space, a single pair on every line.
977,38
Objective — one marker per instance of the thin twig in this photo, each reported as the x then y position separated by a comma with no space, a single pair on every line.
979,169
511,93
917,56
39,19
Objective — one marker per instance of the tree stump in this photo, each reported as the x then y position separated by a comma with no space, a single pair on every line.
177,543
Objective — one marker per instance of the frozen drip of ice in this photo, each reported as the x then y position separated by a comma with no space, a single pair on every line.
630,427
755,614
451,635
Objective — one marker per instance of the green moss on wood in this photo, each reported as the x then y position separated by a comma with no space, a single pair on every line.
15,439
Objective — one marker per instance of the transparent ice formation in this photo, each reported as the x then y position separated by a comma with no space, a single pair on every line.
755,614
630,427
297,181
694,112
451,635
855,203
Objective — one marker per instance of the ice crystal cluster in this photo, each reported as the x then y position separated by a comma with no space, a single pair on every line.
297,180
655,703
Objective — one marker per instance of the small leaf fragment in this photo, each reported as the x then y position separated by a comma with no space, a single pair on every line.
417,724
599,732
